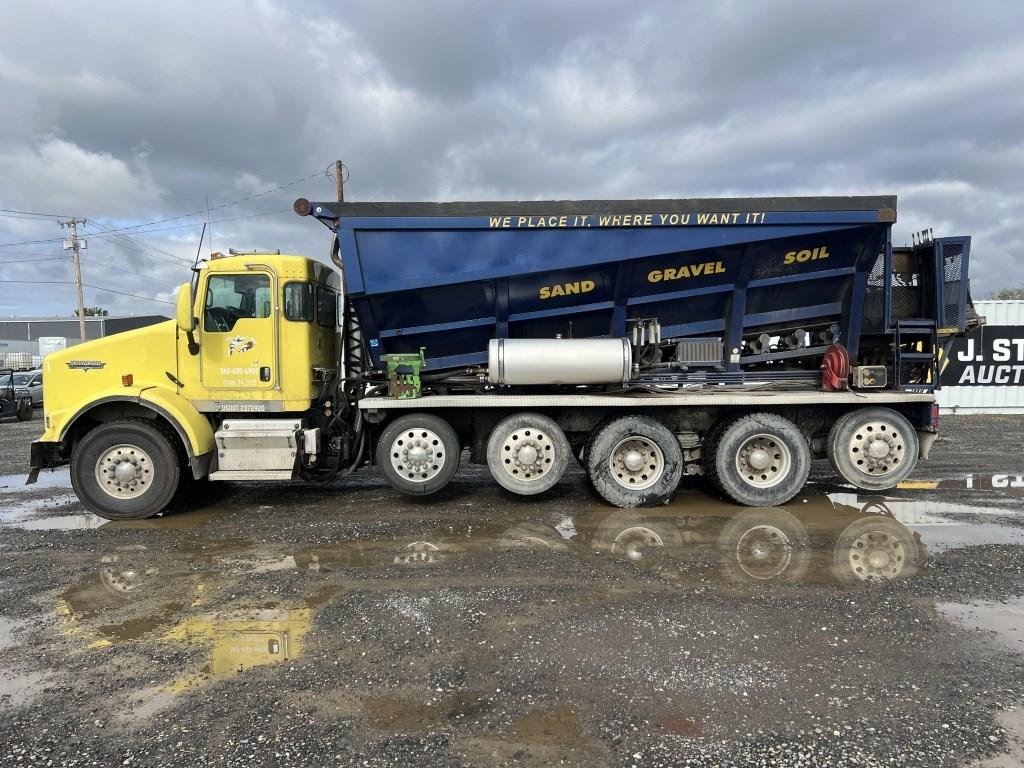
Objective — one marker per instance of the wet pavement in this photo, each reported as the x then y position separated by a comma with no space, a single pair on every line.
304,625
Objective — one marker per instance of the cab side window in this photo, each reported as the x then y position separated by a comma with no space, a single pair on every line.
326,307
298,302
230,298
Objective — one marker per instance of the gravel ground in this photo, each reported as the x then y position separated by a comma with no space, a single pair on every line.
300,625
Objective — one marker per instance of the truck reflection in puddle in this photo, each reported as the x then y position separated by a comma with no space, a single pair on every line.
184,592
165,600
815,539
239,640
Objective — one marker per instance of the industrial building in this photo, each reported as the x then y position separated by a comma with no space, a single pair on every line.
22,334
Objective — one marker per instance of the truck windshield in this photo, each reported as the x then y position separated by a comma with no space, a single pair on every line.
229,298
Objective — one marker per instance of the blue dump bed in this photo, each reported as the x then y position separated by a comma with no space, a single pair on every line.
451,276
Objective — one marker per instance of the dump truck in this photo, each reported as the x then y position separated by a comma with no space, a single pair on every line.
648,340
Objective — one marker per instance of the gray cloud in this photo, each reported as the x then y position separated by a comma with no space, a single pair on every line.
136,112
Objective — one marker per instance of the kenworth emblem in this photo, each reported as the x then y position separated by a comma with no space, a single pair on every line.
86,365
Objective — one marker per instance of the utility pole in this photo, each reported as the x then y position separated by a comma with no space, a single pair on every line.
339,180
74,244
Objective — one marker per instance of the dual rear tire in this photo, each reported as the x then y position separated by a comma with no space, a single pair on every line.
634,461
759,460
873,448
418,454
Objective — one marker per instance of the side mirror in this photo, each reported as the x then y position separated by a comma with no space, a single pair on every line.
186,322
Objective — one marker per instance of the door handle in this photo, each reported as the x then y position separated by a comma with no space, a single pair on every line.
265,373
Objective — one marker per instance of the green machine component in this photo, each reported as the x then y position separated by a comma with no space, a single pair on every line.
403,370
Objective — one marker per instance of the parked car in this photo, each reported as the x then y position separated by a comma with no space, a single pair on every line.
26,380
14,401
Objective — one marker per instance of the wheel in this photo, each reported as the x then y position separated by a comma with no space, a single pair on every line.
873,448
764,544
126,470
25,411
527,453
634,461
760,460
874,548
418,454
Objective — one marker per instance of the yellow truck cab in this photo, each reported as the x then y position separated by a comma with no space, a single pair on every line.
135,413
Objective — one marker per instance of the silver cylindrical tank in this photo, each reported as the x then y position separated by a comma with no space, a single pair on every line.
559,361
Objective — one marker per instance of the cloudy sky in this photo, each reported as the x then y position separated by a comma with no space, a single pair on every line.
134,114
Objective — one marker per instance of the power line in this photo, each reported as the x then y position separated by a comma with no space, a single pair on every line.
153,248
216,207
26,218
36,213
88,285
34,261
132,295
26,253
113,232
146,250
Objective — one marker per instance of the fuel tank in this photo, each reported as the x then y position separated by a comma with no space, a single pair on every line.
559,361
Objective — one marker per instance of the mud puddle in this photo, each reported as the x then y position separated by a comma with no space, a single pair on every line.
18,688
58,478
1003,622
7,629
43,514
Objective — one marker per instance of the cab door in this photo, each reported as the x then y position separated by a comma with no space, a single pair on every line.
239,352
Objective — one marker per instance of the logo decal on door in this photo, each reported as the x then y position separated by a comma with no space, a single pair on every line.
240,344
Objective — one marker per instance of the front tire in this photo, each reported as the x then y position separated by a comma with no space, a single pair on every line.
759,460
873,448
634,461
418,454
125,470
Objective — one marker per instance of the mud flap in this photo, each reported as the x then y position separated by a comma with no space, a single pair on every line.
35,462
925,440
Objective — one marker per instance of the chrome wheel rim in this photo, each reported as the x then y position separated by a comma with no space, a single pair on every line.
877,448
763,552
763,461
418,455
877,555
527,454
636,462
124,471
